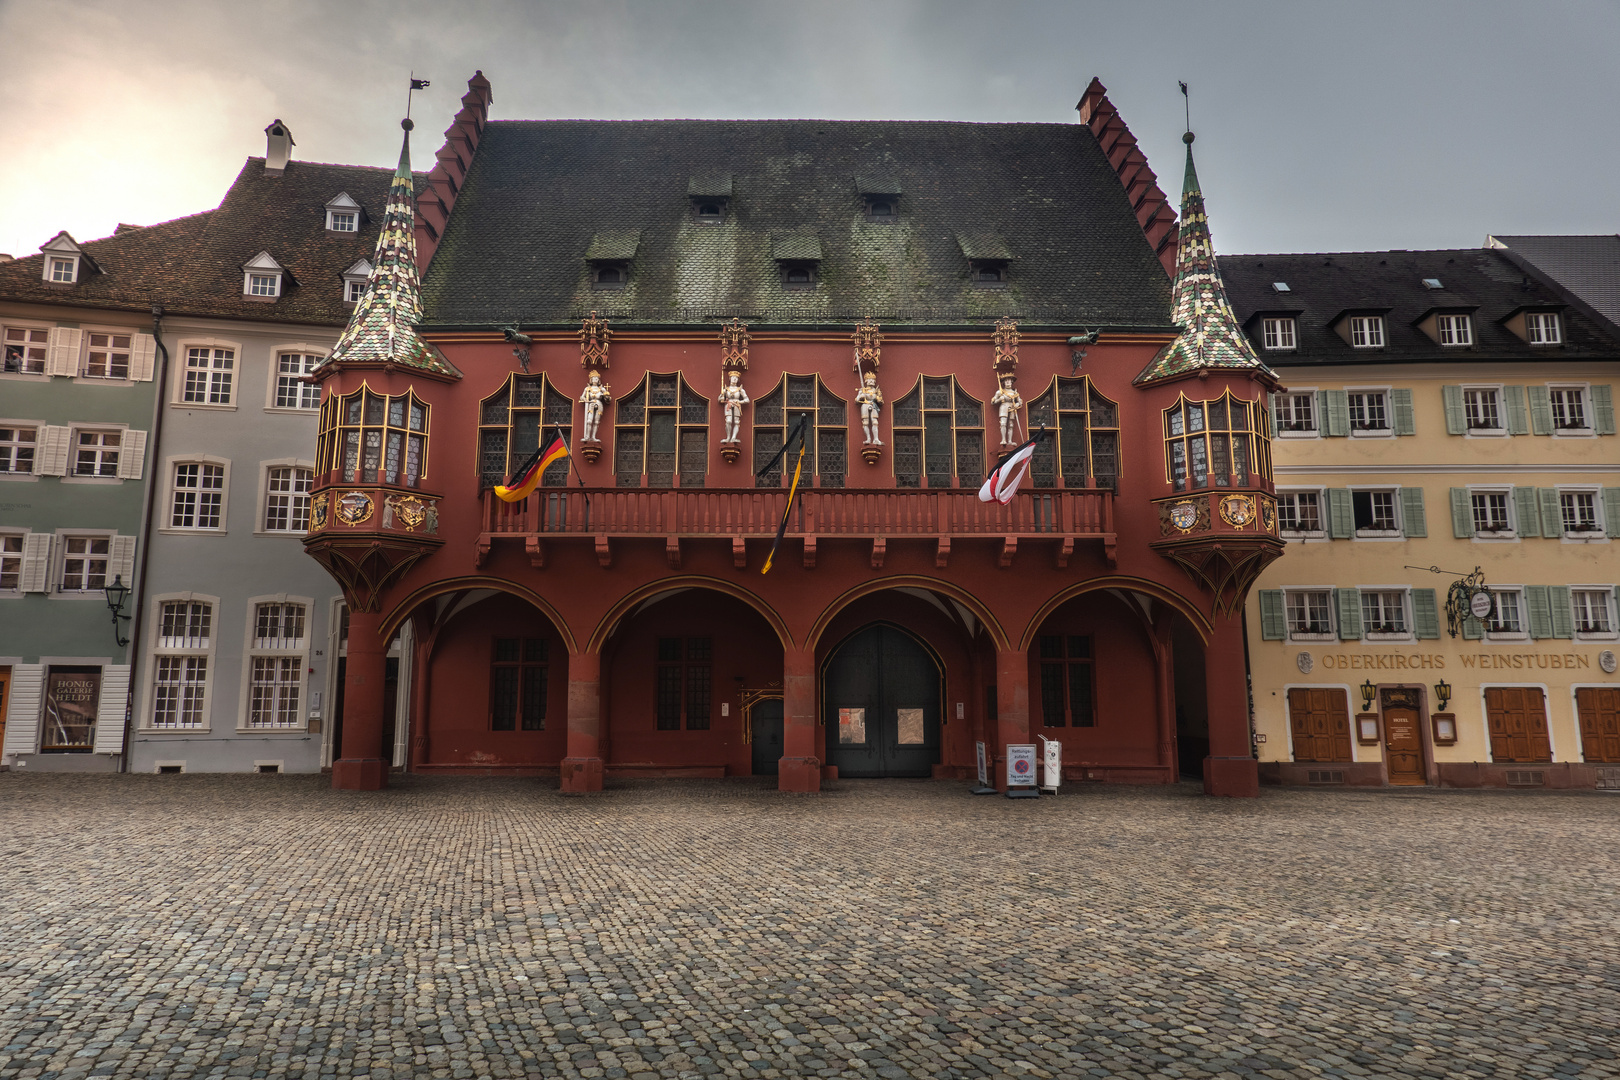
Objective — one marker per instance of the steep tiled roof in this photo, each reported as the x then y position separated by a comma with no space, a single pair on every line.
193,265
1322,287
382,329
539,191
1210,338
1587,266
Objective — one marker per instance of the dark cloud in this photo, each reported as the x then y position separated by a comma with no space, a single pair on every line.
1321,125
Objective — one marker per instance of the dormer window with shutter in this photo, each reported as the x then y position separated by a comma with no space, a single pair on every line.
263,278
343,214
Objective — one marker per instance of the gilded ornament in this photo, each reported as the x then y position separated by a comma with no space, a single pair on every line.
594,336
1184,515
1237,511
1268,515
317,512
410,510
354,508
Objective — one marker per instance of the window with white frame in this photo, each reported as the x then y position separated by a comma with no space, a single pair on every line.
264,284
198,497
208,376
352,291
107,356
25,350
342,220
292,392
1568,408
1542,328
95,452
1579,511
1300,512
1594,614
1277,333
11,552
1369,412
1482,406
1492,513
1383,613
1455,330
180,671
17,449
286,501
62,270
1367,331
1507,614
1296,413
1310,614
1376,512
84,563
277,665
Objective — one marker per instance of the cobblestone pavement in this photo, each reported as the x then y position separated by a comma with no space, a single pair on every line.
465,927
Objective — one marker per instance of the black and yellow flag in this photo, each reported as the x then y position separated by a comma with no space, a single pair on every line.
793,489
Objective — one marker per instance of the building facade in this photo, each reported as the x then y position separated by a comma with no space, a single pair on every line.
1442,410
899,304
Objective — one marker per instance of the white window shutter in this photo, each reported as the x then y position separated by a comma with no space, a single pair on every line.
36,562
142,351
22,713
132,454
121,559
110,709
62,357
51,457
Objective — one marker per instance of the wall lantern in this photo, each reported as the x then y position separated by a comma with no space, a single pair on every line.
1442,694
117,593
1445,724
1368,692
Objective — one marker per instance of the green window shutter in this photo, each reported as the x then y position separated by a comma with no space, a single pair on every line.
1603,410
1341,514
1349,614
1518,422
1611,512
1552,514
1540,615
1338,412
1462,513
1413,521
1273,626
1528,509
1473,629
1563,619
1540,410
1405,424
1456,419
1425,615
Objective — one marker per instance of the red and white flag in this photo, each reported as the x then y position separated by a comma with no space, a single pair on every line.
1004,479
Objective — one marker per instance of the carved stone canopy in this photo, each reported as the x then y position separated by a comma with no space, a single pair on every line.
1006,343
594,336
868,346
734,341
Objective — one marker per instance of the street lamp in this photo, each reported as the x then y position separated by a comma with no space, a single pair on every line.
1442,694
1368,692
117,593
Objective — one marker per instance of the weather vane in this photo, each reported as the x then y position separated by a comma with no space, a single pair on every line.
416,84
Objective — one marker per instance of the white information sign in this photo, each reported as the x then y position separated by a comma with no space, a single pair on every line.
1021,765
984,764
1052,766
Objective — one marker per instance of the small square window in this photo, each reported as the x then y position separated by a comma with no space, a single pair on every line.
96,452
84,563
1281,286
1506,618
1296,414
62,270
107,357
342,221
1375,513
264,284
1455,330
1578,512
353,290
25,350
11,552
1367,331
1278,333
1369,412
1310,615
17,449
1569,408
1383,614
1492,514
1594,617
1542,328
1432,283
1299,513
1483,410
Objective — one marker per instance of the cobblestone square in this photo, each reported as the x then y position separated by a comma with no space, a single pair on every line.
267,926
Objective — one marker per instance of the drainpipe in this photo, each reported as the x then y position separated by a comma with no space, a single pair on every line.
153,482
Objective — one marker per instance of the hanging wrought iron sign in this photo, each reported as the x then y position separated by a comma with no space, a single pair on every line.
1467,597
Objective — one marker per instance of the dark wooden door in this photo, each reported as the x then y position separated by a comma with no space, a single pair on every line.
765,719
1517,717
881,702
1599,708
1320,720
1403,745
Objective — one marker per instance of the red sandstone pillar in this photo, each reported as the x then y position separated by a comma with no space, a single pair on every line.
582,768
1012,710
361,766
1230,768
800,768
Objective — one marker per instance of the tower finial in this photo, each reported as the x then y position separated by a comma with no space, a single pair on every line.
1186,105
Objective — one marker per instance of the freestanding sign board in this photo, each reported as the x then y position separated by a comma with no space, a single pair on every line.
983,756
1021,779
1052,765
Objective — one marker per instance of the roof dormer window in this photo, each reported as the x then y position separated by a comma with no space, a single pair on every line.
609,256
613,275
988,258
64,271
354,281
881,194
798,275
709,211
880,208
64,260
989,273
709,195
343,214
797,255
263,277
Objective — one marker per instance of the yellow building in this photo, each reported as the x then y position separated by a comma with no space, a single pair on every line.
1442,410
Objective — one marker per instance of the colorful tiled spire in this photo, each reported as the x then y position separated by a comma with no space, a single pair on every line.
382,329
1210,335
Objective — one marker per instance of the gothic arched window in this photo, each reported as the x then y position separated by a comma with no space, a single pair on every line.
1219,443
374,439
516,419
661,430
776,414
938,433
1082,442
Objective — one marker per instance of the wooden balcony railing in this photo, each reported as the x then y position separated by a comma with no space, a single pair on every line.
693,513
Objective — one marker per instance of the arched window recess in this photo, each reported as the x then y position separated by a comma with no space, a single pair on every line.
1220,443
514,420
938,434
371,438
660,431
1082,443
777,413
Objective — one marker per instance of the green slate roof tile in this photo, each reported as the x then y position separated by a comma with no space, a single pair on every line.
984,245
613,245
713,187
871,184
803,247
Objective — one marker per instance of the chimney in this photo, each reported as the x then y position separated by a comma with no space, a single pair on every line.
278,147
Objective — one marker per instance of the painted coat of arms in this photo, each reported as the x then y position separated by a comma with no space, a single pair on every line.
1237,511
354,508
317,512
410,510
1184,515
1268,515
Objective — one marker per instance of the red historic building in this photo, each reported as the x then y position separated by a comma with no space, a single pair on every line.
617,621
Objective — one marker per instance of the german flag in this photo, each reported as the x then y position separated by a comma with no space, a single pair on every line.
527,478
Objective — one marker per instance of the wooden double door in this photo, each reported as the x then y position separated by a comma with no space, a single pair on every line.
1319,718
1517,719
881,702
1599,709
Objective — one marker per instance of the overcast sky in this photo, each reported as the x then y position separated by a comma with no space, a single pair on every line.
1321,126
